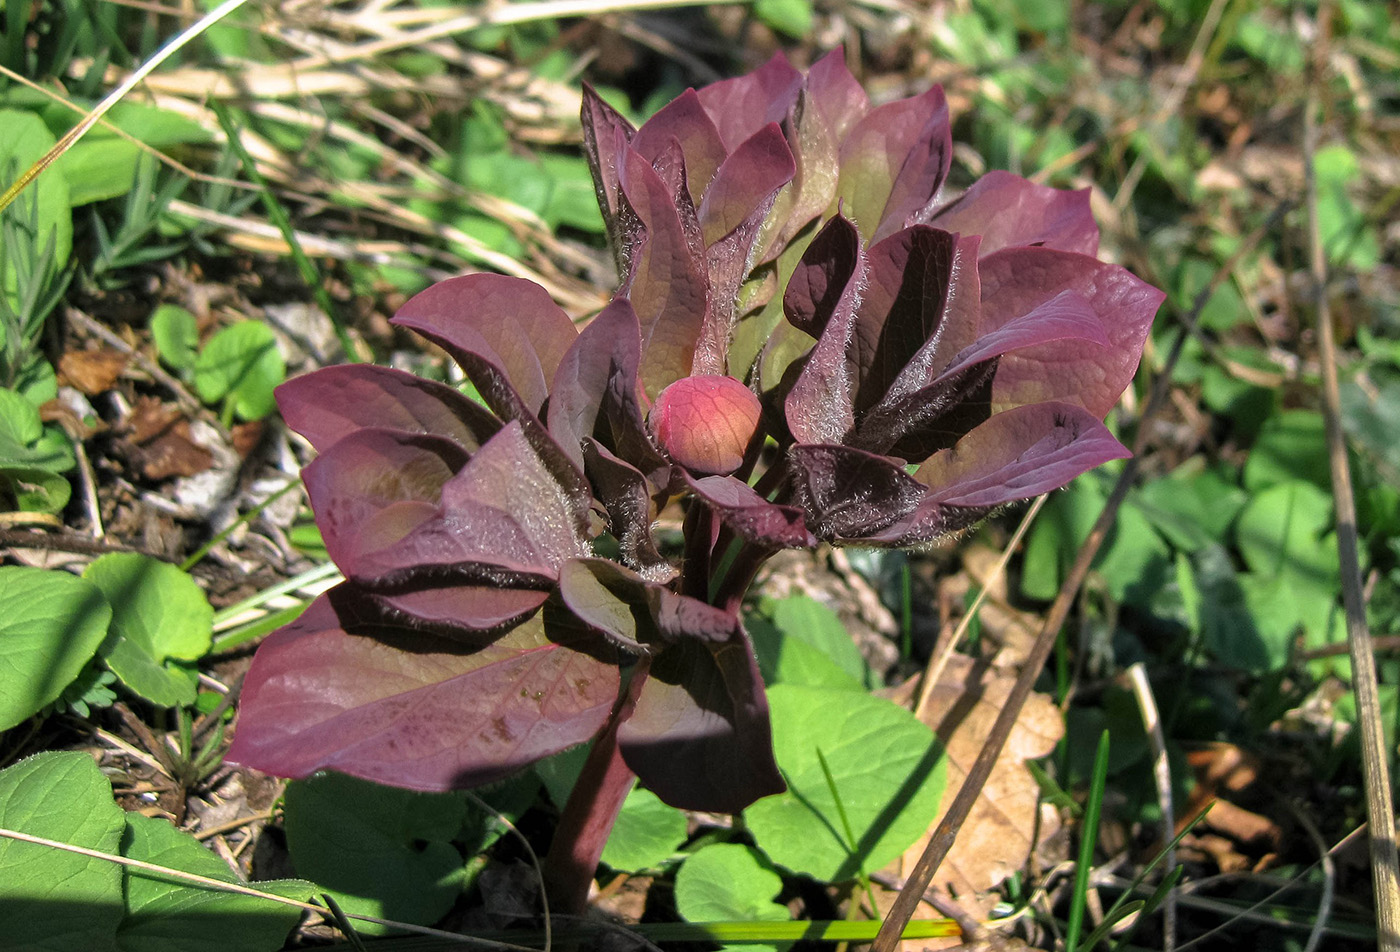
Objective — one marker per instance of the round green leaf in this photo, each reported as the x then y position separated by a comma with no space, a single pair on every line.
886,767
51,623
728,882
241,363
52,900
646,833
378,850
160,617
163,915
176,334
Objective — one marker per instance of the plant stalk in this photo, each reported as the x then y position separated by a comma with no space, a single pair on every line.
1380,809
589,814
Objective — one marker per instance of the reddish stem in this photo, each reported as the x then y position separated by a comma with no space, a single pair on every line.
589,814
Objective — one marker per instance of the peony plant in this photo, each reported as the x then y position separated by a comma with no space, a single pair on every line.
809,343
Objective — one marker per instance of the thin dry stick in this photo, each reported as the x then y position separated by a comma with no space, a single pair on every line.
1162,775
116,95
220,885
947,831
1329,878
1380,810
939,661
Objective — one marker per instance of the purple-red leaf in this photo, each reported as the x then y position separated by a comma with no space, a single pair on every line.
850,494
1009,211
752,517
823,294
902,417
1018,454
742,106
605,136
826,279
627,496
684,120
595,389
507,333
372,487
921,295
667,284
894,162
503,513
1018,280
748,180
835,93
333,402
346,688
639,614
699,737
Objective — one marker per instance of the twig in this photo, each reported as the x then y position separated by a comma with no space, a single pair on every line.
976,779
1329,878
116,95
1162,774
939,661
1385,862
219,885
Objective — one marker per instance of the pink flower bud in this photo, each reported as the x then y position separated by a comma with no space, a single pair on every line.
705,423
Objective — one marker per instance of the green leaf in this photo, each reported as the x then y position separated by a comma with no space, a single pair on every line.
51,623
805,620
52,900
793,17
160,617
25,141
788,659
889,772
377,850
1193,507
98,168
1283,531
1233,631
1291,445
729,882
25,442
165,915
646,834
1134,562
176,333
34,490
241,363
1347,237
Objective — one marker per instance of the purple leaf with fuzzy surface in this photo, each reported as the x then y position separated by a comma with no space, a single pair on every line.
1009,211
824,293
920,300
502,512
328,404
373,487
742,106
605,136
1018,280
685,121
752,517
507,333
595,389
1018,454
346,688
893,164
667,285
699,736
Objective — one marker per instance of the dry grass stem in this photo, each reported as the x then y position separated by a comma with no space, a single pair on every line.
1380,808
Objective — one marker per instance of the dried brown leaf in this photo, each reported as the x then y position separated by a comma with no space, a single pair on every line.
92,371
1002,828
